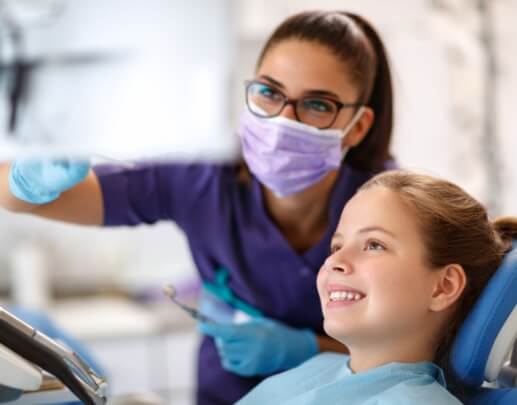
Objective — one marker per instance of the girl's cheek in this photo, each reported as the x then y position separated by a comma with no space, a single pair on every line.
320,279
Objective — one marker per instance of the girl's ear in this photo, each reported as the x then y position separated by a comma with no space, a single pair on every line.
450,284
360,128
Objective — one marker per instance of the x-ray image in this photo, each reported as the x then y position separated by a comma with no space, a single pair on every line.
120,78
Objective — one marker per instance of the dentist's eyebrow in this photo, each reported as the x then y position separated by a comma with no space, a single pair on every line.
315,92
322,93
377,228
272,81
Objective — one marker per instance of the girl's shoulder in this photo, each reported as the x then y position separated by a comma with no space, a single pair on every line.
417,390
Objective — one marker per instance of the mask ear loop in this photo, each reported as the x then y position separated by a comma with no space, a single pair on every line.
349,126
353,121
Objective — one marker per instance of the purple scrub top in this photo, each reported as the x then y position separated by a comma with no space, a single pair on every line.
226,225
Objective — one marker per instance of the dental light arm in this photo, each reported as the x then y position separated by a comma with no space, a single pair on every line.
50,356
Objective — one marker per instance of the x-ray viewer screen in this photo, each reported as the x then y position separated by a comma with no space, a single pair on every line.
124,78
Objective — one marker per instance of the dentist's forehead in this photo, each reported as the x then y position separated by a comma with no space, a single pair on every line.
302,65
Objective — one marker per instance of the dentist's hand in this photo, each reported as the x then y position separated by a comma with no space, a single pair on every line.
40,181
261,346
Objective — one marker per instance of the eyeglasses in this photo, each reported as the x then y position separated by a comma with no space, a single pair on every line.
266,101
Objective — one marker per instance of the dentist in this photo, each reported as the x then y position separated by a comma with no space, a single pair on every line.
317,124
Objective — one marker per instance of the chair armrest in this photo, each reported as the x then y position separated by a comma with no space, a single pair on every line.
508,376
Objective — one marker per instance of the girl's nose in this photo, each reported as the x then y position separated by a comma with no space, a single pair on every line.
342,268
338,266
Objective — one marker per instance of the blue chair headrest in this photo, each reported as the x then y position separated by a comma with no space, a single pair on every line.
487,335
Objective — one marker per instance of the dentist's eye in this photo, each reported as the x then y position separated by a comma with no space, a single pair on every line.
266,92
373,245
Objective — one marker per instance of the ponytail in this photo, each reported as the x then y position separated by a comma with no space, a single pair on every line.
506,228
373,152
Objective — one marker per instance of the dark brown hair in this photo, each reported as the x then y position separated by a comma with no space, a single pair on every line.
354,41
455,230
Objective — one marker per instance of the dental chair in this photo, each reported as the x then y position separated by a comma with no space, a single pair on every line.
479,359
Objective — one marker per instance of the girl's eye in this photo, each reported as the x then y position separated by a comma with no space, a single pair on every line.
373,245
334,248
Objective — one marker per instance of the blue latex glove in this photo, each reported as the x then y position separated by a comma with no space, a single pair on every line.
261,346
42,181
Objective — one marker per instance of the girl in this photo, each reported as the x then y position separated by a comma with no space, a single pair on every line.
316,125
410,256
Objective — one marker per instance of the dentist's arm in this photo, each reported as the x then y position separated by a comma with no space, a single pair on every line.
60,190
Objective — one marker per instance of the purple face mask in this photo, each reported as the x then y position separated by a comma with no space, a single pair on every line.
288,156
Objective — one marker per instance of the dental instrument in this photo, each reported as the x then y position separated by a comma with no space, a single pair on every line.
170,292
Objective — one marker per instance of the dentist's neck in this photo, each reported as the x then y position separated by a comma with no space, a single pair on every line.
302,217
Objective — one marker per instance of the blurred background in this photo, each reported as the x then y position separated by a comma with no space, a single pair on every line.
87,76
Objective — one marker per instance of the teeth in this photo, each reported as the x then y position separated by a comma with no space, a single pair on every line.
344,296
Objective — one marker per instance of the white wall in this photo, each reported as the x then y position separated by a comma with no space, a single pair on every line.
506,13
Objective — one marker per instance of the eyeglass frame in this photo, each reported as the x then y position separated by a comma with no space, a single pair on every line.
294,101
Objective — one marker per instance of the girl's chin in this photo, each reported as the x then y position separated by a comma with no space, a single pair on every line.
337,332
